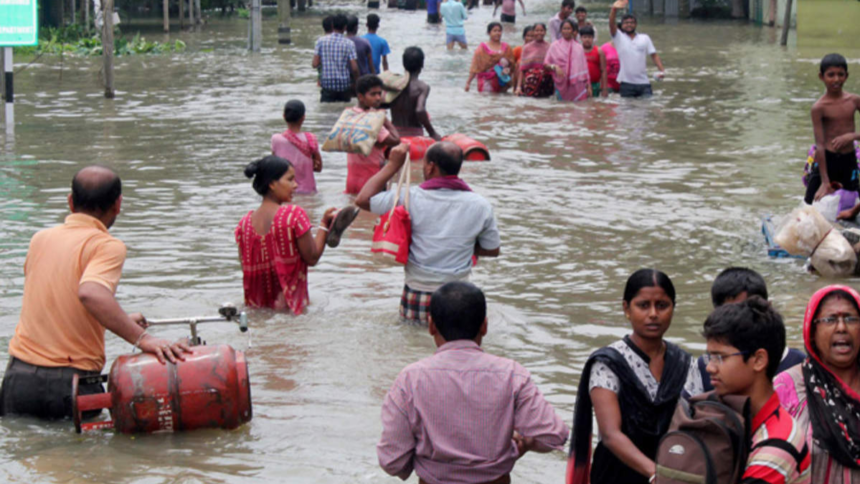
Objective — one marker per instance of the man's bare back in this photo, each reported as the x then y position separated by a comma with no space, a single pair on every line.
409,109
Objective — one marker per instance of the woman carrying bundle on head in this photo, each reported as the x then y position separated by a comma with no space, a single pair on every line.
823,392
633,386
534,78
275,242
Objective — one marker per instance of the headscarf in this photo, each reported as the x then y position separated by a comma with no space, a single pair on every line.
534,54
307,146
834,408
569,56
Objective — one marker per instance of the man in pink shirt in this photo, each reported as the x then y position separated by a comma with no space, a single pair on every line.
462,416
360,168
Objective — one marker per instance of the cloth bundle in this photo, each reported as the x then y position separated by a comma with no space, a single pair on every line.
356,131
806,232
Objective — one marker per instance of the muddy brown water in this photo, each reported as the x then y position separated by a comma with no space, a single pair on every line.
584,195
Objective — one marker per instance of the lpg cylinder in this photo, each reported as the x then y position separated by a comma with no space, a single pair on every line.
472,150
210,389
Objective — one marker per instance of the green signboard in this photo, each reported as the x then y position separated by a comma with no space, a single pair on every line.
19,23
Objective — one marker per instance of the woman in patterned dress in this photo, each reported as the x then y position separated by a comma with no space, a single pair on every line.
634,384
275,242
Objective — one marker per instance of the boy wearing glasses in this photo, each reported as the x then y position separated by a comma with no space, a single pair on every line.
745,343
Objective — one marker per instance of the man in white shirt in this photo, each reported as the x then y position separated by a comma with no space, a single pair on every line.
450,224
633,51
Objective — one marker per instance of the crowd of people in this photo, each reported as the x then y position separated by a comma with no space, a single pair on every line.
462,415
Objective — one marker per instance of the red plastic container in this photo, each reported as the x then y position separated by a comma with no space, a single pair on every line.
210,389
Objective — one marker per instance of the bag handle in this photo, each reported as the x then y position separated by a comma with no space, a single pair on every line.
404,175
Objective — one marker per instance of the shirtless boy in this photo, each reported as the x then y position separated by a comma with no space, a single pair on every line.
409,110
833,126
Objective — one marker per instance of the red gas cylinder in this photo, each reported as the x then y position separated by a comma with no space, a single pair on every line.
210,389
472,150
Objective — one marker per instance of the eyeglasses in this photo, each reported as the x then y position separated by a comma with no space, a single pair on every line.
832,320
718,358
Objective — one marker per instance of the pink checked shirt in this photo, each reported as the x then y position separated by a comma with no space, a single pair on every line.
451,417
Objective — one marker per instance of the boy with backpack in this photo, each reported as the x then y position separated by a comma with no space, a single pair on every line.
745,342
735,285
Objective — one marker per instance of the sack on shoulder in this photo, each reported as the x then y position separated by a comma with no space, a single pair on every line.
393,232
707,441
355,131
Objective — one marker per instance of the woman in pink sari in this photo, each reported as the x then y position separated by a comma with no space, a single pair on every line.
275,242
535,77
567,57
487,56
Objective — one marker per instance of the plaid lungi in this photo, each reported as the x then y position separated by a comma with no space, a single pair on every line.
415,305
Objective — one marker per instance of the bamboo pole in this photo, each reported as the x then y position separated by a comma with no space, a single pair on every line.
199,12
86,15
74,13
786,23
191,13
107,48
284,22
181,14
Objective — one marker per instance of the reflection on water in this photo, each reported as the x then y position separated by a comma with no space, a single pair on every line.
584,195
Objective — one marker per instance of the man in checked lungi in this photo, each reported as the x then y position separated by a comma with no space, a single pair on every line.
450,225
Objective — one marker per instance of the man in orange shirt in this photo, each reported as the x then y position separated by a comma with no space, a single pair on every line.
70,278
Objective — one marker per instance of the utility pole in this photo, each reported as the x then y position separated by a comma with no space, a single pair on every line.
786,23
107,48
255,27
166,15
284,22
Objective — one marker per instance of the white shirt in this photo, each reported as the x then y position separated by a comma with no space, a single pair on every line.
445,226
633,57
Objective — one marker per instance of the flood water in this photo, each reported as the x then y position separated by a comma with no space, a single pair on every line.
584,195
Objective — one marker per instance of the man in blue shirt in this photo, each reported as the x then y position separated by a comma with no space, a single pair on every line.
454,14
433,11
336,55
377,43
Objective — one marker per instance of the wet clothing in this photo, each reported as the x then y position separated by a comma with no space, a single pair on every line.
613,66
415,305
790,358
824,406
363,51
592,57
778,450
451,38
327,96
567,55
635,90
55,328
454,14
646,406
633,56
335,51
433,18
450,417
380,48
298,149
484,62
537,80
360,168
446,225
43,392
274,274
841,167
508,18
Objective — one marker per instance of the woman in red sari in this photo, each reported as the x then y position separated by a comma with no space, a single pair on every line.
534,78
275,264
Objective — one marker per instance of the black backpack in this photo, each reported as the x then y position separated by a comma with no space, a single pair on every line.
707,442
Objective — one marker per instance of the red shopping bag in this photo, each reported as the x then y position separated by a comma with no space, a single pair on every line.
393,233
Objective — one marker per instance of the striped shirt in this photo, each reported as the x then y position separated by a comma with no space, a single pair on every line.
779,453
335,51
451,417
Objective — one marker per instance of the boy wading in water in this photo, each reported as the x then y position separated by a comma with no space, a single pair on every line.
833,125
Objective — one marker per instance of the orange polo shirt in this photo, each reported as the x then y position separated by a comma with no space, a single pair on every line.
55,329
